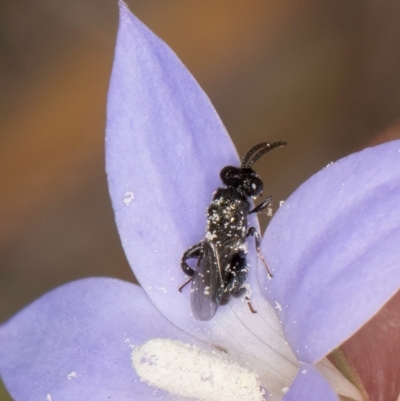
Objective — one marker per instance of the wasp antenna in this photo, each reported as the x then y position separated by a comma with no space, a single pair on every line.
260,150
251,152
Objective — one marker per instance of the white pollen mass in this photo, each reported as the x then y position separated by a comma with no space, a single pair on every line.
184,370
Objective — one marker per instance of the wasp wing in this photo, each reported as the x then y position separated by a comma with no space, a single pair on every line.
205,283
210,278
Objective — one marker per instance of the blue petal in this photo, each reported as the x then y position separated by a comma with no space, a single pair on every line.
334,248
311,386
75,343
165,148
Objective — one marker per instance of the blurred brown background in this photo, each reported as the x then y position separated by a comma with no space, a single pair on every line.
323,75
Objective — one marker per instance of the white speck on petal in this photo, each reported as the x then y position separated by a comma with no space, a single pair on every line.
285,390
71,375
129,196
184,370
281,203
278,306
304,371
163,289
48,397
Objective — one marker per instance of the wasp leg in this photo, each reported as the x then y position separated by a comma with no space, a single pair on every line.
262,206
194,252
237,275
254,233
252,310
185,284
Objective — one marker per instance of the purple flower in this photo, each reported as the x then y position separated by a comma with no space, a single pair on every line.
332,247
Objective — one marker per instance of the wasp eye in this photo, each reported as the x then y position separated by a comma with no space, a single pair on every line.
256,187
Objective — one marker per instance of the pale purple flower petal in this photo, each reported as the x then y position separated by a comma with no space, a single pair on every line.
75,343
310,385
334,248
165,148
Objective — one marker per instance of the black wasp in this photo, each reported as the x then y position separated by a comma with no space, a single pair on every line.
221,267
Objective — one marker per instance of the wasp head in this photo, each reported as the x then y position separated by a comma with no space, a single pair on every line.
244,178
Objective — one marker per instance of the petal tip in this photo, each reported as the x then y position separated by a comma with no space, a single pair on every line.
123,7
125,14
